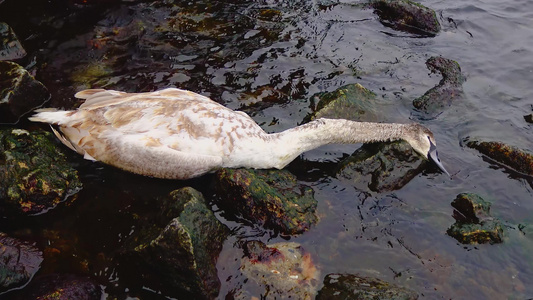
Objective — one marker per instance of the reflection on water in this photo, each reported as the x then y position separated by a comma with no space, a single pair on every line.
283,53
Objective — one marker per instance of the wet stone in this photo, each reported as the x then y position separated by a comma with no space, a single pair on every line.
376,166
352,287
10,47
62,287
20,93
407,16
381,167
352,102
271,198
34,173
19,261
513,157
284,270
474,224
184,250
449,89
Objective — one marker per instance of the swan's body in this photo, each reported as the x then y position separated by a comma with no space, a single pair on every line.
179,134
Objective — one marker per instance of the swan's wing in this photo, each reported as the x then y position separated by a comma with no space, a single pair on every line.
97,98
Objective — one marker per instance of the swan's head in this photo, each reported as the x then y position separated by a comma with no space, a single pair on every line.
423,142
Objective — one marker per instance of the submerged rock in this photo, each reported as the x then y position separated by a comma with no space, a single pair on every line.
178,256
382,167
405,15
10,47
284,270
19,261
376,166
448,90
352,287
513,157
34,173
271,198
62,287
474,224
19,92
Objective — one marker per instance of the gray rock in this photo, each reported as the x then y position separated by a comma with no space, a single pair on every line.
354,287
20,93
19,261
407,16
10,46
449,89
179,257
382,167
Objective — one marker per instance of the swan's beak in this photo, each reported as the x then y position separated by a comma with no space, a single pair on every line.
434,157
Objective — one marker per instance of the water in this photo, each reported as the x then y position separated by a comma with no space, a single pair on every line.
398,236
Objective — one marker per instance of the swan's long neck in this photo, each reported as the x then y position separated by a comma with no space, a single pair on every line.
293,142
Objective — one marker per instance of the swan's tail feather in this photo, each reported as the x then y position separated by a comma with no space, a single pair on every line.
50,115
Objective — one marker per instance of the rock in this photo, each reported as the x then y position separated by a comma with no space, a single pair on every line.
382,167
19,92
351,102
513,157
34,173
10,47
352,287
62,287
472,208
19,261
179,257
448,90
284,270
474,224
529,118
405,15
377,166
271,198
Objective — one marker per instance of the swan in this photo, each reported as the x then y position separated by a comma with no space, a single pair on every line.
178,134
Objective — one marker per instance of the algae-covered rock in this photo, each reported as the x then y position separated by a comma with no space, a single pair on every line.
352,102
352,287
513,157
179,257
474,224
448,90
19,261
271,198
382,166
285,270
34,173
10,47
407,16
19,92
62,287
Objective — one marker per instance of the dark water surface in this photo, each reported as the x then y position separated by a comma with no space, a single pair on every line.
397,236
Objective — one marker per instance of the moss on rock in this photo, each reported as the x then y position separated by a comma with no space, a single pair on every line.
34,173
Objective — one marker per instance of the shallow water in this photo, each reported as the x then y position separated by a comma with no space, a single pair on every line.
397,236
